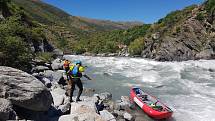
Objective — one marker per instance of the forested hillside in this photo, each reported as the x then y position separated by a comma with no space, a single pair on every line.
21,38
71,31
32,29
181,35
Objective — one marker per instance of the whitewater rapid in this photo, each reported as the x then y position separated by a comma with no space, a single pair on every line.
188,87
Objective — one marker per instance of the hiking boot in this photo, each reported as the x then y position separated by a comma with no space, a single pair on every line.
71,100
78,100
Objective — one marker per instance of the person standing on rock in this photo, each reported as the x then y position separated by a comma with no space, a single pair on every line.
66,68
76,71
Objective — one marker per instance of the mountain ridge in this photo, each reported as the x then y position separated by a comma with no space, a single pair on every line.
40,10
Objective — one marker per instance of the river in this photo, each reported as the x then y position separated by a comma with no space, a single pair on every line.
187,87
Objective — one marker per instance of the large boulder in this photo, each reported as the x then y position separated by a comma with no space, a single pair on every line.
82,111
87,102
6,111
85,111
24,90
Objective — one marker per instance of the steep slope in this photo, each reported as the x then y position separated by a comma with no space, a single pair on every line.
183,35
21,39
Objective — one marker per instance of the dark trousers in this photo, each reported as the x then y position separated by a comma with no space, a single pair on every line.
67,75
76,81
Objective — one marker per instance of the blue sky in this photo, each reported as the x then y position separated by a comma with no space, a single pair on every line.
147,11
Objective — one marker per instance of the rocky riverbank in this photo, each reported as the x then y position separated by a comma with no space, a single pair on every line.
41,96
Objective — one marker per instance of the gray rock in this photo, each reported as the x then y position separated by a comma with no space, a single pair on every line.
88,116
104,96
57,64
127,116
58,75
87,54
54,76
6,111
89,104
46,82
58,52
35,74
102,54
65,107
123,104
107,115
141,119
38,62
88,91
155,36
39,69
119,113
85,110
24,90
112,54
211,70
1,17
121,120
58,95
206,54
109,105
49,74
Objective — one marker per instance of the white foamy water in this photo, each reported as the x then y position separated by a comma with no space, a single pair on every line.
188,88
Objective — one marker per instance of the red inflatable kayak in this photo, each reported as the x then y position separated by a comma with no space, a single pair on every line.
149,104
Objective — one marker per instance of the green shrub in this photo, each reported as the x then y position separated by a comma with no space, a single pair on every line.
136,47
200,16
14,53
45,56
79,49
178,29
210,6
